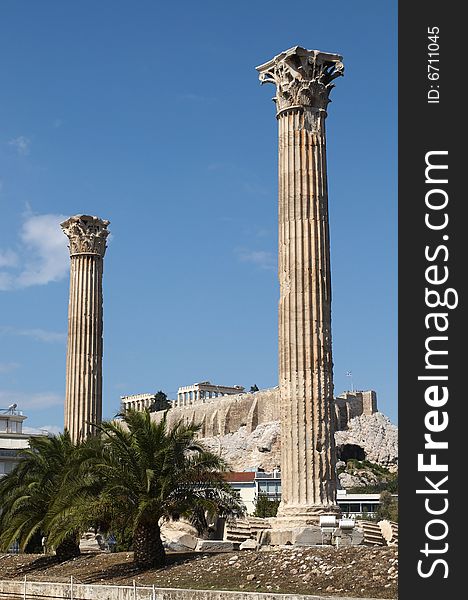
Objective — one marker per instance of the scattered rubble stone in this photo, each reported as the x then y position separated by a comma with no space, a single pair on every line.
358,572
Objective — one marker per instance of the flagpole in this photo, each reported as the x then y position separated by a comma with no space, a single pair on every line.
350,375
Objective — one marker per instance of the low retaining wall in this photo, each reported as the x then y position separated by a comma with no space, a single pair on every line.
30,590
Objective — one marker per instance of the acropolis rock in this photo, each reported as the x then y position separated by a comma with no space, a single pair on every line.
376,435
261,448
228,414
244,450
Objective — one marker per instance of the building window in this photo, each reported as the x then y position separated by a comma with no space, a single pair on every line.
368,508
269,488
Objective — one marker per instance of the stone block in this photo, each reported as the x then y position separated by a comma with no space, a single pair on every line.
249,544
307,536
276,537
349,538
214,546
184,542
171,529
386,530
89,543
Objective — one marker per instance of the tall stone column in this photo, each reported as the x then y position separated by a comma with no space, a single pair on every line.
303,80
83,398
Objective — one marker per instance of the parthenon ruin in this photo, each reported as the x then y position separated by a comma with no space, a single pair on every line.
191,394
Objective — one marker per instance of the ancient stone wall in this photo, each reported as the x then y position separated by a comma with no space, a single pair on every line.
227,414
219,416
369,402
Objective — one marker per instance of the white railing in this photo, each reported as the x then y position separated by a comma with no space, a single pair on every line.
38,590
74,590
11,411
268,475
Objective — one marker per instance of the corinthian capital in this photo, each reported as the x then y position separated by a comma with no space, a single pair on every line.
87,234
302,77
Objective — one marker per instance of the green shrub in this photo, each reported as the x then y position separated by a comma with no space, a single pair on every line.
264,507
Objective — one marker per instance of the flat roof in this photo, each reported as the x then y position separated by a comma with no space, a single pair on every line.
239,476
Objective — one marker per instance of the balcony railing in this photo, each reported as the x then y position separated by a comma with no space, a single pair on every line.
262,475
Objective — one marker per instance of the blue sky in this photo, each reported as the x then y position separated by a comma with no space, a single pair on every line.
151,115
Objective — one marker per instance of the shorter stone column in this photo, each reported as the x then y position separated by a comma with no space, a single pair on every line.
83,398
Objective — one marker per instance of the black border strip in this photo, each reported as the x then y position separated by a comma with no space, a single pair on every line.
432,120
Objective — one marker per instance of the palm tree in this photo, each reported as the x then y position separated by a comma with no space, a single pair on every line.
27,493
138,474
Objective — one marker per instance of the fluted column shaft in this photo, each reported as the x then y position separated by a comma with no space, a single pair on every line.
83,395
305,349
303,80
83,399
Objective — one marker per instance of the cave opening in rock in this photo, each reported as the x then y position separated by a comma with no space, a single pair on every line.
348,451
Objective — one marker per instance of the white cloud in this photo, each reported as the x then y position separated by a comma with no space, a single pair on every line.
41,335
21,144
30,400
260,258
43,237
7,367
8,258
42,257
53,429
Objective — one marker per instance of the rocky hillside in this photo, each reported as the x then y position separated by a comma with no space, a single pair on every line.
375,434
246,451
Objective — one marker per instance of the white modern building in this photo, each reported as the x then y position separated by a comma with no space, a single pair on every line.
358,505
250,484
12,438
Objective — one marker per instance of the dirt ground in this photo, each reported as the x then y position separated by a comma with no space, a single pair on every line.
358,571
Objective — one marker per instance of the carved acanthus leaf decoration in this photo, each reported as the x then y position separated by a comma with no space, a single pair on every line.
302,77
87,234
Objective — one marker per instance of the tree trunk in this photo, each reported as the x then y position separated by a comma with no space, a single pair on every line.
68,549
148,550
